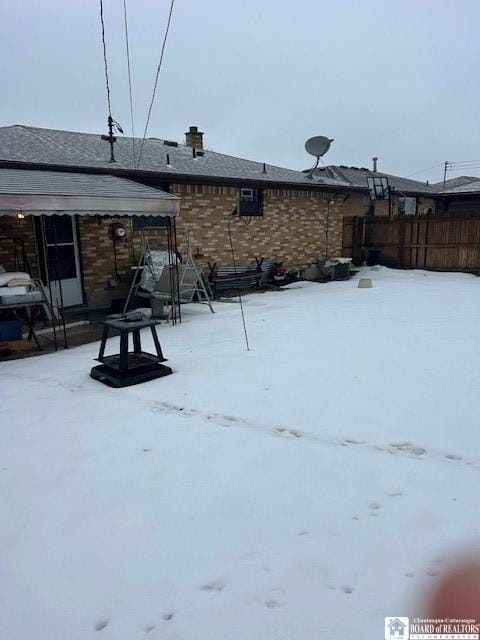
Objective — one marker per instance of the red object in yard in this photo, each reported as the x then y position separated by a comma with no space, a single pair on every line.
279,272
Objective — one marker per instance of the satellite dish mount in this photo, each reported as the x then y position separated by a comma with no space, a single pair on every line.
318,147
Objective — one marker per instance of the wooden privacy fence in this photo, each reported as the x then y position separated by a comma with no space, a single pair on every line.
424,242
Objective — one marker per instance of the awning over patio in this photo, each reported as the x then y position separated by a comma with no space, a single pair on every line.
36,193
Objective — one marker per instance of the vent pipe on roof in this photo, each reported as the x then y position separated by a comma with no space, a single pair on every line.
264,170
375,160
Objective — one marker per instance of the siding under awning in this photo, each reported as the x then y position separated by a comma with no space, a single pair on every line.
54,192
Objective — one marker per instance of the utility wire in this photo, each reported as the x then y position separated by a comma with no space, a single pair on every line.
156,82
465,162
452,166
105,60
440,164
129,79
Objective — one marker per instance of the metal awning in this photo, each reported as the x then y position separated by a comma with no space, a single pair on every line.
37,193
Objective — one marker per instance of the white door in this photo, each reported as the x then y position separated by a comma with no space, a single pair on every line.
63,260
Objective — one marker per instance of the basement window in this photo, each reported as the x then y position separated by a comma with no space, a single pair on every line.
250,202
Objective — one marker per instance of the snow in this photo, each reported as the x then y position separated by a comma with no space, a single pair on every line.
304,489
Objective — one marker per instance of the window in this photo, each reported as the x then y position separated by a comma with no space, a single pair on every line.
250,202
407,206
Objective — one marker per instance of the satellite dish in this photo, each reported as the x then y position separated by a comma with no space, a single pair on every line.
318,145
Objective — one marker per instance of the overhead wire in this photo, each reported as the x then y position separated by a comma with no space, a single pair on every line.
440,164
156,82
105,60
451,166
129,79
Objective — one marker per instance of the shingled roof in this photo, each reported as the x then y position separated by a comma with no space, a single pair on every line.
356,177
460,185
53,148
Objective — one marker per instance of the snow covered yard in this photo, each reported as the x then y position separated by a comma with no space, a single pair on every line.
305,489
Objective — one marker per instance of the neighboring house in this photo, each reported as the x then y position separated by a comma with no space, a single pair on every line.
459,196
408,196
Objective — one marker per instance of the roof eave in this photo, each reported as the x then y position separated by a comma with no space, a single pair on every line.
177,177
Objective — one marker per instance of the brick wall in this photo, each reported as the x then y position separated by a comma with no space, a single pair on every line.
292,228
11,227
102,280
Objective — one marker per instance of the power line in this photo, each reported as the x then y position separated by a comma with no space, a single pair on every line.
129,79
105,60
452,166
440,164
156,82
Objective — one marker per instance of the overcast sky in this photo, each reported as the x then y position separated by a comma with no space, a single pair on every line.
393,78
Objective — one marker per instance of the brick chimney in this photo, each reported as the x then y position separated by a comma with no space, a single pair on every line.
194,138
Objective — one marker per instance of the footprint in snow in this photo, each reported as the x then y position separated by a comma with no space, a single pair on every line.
297,434
406,447
409,574
215,585
303,533
168,615
101,624
351,441
395,494
347,588
453,456
148,628
375,506
273,604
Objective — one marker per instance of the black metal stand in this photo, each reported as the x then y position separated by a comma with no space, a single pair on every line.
129,367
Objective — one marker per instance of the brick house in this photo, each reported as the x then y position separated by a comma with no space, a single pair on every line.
282,214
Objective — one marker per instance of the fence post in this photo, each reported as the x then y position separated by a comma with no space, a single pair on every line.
401,242
356,239
427,224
